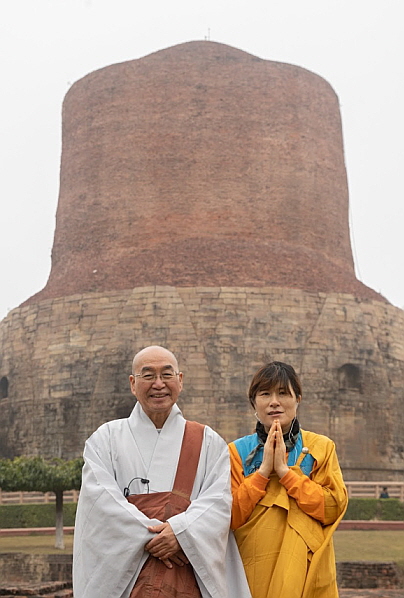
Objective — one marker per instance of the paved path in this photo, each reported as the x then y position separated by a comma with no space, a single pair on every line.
377,593
374,525
62,590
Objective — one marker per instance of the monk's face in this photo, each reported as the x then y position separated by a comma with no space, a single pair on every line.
156,382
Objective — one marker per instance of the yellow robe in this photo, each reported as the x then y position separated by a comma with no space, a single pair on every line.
284,528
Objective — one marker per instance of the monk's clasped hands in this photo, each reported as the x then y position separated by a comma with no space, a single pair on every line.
165,546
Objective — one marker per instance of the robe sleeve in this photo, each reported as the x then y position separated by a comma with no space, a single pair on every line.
323,494
203,529
110,533
246,491
308,495
327,473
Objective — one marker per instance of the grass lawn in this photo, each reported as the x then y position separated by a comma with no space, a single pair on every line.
349,545
35,544
369,545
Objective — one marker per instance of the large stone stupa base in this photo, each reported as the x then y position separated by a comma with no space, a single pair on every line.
66,364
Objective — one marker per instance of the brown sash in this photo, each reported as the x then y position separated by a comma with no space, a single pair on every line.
155,579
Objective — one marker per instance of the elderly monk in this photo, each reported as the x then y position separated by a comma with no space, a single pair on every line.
155,504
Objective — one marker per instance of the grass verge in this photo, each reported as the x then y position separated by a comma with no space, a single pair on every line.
35,544
370,545
350,545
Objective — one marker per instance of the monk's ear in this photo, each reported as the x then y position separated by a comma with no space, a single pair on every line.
132,384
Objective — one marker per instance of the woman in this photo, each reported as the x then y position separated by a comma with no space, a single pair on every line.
288,494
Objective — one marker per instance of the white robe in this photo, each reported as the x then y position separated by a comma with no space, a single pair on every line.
111,533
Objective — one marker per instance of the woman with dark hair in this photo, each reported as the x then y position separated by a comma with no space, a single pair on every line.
288,494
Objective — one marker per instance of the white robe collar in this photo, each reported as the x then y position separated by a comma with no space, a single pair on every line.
153,446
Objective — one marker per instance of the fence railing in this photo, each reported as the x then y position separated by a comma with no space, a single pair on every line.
374,489
18,498
355,490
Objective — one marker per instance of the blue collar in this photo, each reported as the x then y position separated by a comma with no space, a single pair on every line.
247,444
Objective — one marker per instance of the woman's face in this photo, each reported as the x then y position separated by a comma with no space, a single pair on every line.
277,403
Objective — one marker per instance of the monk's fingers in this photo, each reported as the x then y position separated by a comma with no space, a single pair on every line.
158,549
163,547
165,539
156,529
179,559
183,557
163,554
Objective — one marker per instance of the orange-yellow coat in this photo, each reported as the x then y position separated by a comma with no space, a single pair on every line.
284,527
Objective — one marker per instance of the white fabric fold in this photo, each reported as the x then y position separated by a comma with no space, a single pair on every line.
111,533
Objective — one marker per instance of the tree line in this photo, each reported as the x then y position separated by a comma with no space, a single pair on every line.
36,474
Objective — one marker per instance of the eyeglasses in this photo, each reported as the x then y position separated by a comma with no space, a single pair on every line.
152,377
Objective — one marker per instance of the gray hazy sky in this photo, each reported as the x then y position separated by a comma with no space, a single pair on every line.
46,45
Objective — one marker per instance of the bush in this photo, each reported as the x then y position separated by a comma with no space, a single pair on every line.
12,516
365,509
391,509
361,509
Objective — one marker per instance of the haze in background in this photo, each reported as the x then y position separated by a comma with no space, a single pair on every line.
47,45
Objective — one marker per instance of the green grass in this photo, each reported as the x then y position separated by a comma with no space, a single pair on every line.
365,545
35,544
369,545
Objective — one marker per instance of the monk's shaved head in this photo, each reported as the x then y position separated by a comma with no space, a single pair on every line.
151,353
156,382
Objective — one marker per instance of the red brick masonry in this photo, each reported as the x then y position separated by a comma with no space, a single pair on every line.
237,161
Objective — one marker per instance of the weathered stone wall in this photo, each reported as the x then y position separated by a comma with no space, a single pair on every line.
34,568
368,574
26,568
67,362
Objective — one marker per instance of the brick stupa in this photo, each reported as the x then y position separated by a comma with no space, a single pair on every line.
202,165
204,206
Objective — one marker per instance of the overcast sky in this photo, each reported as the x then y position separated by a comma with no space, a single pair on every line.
47,45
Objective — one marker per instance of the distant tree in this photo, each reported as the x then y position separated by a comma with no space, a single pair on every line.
35,474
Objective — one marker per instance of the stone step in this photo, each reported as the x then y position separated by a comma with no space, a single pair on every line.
64,594
54,589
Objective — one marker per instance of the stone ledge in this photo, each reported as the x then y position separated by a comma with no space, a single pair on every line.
350,524
350,574
368,574
55,589
22,570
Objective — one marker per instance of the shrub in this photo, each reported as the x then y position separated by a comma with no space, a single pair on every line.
35,515
391,509
365,509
